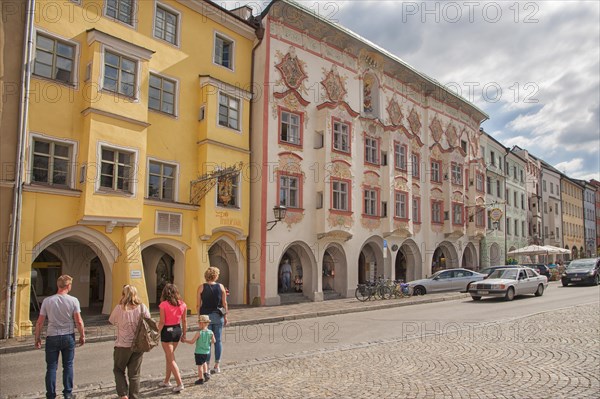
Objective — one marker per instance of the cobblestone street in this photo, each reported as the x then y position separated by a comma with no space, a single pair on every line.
548,355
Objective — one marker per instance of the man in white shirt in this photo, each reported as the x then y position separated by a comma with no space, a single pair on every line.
63,312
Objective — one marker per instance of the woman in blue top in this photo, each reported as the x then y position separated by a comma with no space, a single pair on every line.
210,296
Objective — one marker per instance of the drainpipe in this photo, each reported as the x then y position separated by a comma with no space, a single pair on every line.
13,258
260,33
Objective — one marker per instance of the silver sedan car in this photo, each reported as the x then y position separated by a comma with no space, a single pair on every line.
446,280
510,282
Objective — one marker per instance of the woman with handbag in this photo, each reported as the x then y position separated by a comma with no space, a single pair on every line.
126,317
172,327
212,300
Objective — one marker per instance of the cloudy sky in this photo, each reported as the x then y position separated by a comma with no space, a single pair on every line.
532,66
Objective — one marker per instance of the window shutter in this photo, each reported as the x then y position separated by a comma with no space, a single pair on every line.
168,223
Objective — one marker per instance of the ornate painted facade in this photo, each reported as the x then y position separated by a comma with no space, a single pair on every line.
376,164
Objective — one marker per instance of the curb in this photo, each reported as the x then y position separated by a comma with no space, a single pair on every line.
28,345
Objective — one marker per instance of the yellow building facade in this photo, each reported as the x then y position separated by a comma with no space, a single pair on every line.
137,151
573,217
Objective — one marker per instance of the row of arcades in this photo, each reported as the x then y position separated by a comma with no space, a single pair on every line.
334,275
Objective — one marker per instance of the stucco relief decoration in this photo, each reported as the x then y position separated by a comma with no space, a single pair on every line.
371,224
414,122
400,225
416,228
292,69
290,164
395,112
340,170
340,221
370,62
451,135
368,93
401,185
436,129
474,141
292,218
371,179
334,85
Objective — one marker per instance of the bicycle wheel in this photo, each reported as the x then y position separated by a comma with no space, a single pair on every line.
362,293
383,292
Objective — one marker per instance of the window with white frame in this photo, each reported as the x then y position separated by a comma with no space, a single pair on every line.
228,191
289,188
456,171
121,10
416,210
223,51
166,24
161,96
437,208
116,170
51,162
516,227
401,205
341,137
416,170
229,111
371,150
370,199
489,185
508,221
54,59
399,156
290,128
457,214
498,189
161,180
340,195
120,74
436,171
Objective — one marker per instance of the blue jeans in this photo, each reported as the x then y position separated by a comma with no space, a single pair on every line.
65,345
216,326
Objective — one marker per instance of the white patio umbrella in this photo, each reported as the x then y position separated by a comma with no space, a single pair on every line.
556,250
529,250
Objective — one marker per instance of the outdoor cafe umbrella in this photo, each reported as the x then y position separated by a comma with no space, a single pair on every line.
556,250
530,250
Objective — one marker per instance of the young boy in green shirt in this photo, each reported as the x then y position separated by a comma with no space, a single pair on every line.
203,339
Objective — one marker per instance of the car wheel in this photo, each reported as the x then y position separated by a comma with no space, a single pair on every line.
540,290
510,294
597,279
564,283
419,290
476,298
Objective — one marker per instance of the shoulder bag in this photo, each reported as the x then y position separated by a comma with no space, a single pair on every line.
147,335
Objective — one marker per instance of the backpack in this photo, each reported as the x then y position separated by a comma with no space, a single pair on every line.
146,334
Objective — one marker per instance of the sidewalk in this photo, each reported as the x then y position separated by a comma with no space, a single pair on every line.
258,315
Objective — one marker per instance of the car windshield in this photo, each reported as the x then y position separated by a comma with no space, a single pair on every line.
508,274
586,264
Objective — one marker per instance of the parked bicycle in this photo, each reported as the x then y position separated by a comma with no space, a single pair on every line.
377,290
401,289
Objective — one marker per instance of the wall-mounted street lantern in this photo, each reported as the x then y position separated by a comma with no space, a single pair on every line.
279,212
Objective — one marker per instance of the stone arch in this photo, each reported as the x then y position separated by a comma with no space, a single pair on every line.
225,254
304,265
495,255
444,257
335,269
409,262
95,243
470,259
370,260
152,252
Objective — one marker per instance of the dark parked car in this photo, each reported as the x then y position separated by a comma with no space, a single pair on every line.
582,271
542,269
488,270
